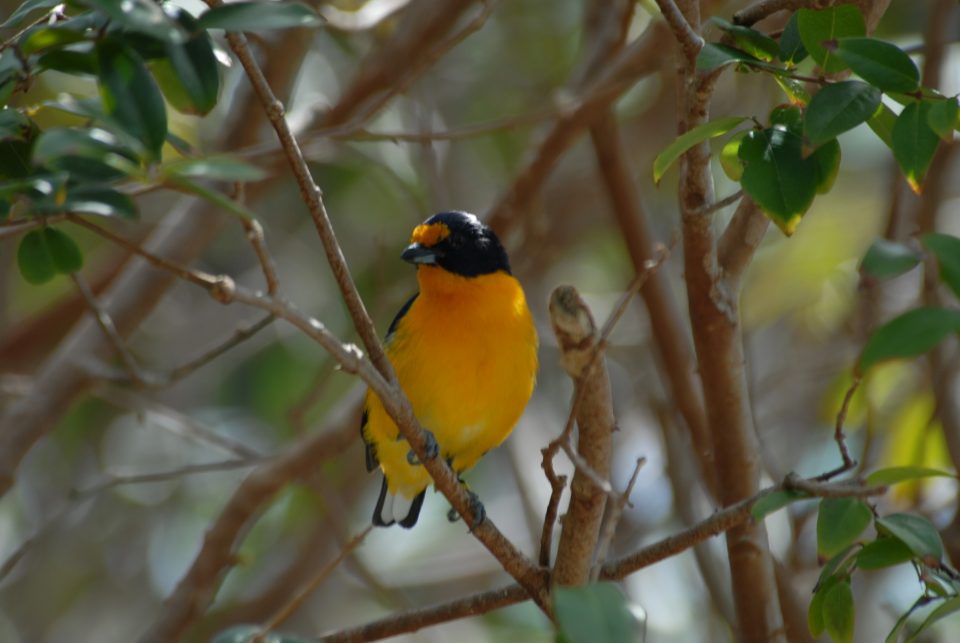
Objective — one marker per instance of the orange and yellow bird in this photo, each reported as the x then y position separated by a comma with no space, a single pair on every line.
465,353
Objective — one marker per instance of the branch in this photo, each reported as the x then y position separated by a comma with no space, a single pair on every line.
740,240
689,40
581,356
765,8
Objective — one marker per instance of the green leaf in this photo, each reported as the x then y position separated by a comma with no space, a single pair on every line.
49,38
883,65
839,522
944,117
34,258
945,609
914,143
886,259
140,16
838,612
815,621
838,108
749,40
89,153
595,612
247,634
789,116
20,14
216,168
258,16
777,176
882,123
946,248
774,502
64,250
827,158
189,75
883,552
820,27
92,199
839,566
14,125
713,56
895,475
131,96
792,50
690,138
214,197
916,532
70,61
730,157
794,90
908,335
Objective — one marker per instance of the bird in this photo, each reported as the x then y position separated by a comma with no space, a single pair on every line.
464,349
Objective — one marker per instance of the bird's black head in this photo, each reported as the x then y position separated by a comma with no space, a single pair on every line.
459,243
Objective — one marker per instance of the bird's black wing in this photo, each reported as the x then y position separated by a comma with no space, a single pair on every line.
370,451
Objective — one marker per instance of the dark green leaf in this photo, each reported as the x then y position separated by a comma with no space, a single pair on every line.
883,65
596,612
882,123
713,56
895,475
792,50
258,16
827,158
777,176
140,16
102,201
20,14
839,566
34,258
64,250
789,116
886,259
824,26
914,143
89,153
131,96
838,612
685,141
217,168
70,61
947,250
839,522
38,186
916,532
749,40
942,611
189,74
883,552
944,117
838,108
774,502
908,335
14,125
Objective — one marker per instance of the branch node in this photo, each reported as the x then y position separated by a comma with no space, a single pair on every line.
223,289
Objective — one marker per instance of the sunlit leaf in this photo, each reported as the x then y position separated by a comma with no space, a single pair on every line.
777,176
690,138
908,335
886,259
838,612
914,143
258,16
49,37
882,64
730,157
894,475
130,95
838,108
883,552
595,612
188,74
823,26
947,250
753,42
916,532
839,522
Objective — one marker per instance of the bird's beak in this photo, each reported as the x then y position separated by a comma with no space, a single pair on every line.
416,253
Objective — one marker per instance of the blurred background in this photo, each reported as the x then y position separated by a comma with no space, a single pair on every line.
91,551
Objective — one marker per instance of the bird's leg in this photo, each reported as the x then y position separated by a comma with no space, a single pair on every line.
432,448
476,507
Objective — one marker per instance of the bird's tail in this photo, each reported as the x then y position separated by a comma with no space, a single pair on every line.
394,508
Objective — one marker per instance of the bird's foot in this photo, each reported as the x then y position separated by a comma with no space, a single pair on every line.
476,508
431,446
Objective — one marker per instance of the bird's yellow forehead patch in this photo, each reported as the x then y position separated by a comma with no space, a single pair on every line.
430,235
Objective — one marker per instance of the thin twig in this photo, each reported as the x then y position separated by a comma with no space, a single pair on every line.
760,10
297,600
254,232
612,520
163,476
722,203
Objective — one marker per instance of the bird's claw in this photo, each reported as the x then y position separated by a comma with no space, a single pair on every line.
476,508
430,446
